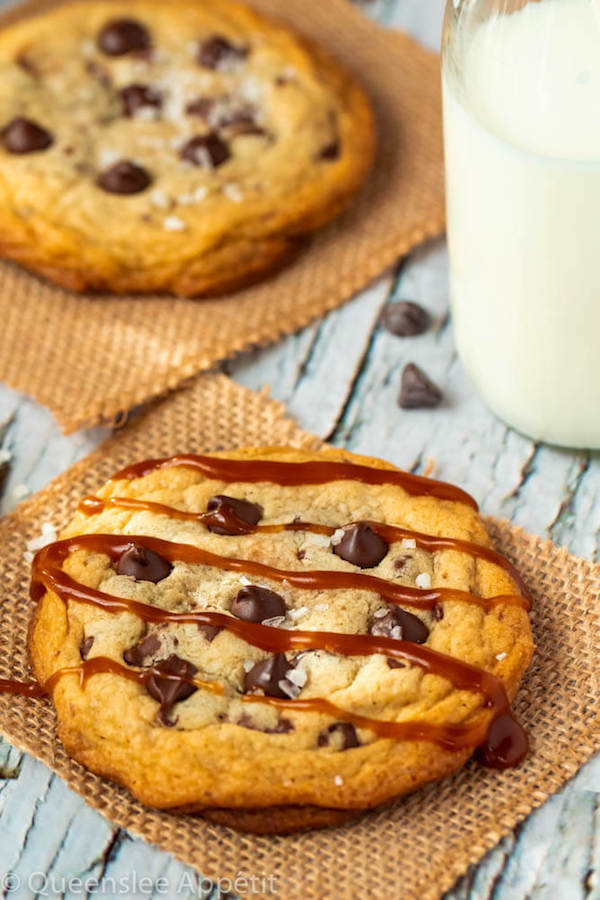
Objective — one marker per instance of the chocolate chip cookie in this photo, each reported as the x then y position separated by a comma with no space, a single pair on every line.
176,147
279,639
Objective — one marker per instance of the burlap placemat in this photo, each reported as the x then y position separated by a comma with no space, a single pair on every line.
415,849
87,358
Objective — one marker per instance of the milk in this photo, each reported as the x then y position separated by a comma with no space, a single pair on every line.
522,141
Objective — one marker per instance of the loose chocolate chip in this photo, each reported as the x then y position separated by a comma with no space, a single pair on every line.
124,178
417,391
121,36
217,52
143,564
361,546
86,646
394,663
139,96
169,691
142,653
209,631
405,319
207,150
438,612
266,675
25,136
255,604
228,515
397,623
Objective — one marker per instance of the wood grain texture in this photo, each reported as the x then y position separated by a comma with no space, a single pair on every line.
340,379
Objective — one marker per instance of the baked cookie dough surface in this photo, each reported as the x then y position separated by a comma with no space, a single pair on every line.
251,749
179,146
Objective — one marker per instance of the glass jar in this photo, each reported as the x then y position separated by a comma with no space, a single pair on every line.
521,84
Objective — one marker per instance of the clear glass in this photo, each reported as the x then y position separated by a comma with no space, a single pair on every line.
521,83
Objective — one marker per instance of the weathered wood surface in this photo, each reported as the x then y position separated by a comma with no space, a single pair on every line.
340,378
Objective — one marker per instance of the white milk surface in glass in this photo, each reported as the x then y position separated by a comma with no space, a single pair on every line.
522,136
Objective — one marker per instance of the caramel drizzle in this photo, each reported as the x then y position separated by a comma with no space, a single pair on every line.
461,674
296,473
115,545
391,533
451,737
48,575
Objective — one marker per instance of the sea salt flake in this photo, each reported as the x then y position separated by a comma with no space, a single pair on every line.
298,613
501,656
337,536
408,544
244,580
108,157
321,607
396,633
275,622
298,676
423,580
174,223
28,556
338,780
380,613
247,664
160,199
233,193
289,689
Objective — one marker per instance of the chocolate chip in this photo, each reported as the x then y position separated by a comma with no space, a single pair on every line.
124,178
361,546
121,36
202,107
399,624
438,612
284,726
255,604
417,391
86,646
266,675
207,150
394,663
405,319
142,653
143,564
139,96
209,631
229,515
347,733
217,52
25,136
331,151
24,62
400,563
169,691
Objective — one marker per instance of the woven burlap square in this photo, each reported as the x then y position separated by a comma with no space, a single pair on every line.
87,358
415,849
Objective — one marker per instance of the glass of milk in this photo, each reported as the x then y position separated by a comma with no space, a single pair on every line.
521,82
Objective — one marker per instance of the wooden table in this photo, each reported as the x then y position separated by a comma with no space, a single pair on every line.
340,379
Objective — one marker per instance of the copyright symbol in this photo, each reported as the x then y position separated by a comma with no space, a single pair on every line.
10,882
